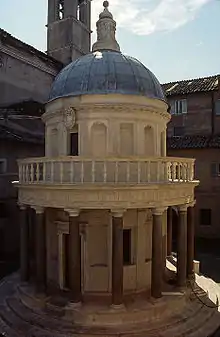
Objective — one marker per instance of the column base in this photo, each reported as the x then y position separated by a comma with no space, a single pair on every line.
74,305
118,307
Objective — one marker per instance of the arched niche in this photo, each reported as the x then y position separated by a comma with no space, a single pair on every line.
127,139
149,141
99,140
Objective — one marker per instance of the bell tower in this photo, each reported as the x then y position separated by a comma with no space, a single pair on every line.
68,29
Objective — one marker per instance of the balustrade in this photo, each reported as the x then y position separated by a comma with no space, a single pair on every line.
79,170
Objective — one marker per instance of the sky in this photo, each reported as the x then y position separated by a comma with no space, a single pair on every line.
176,39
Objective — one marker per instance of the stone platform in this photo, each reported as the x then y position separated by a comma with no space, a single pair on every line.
191,313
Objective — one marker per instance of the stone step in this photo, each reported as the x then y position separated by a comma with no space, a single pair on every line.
190,324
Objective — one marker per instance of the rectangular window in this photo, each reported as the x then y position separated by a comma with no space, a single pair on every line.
178,107
205,217
74,144
215,169
3,166
178,130
127,246
217,107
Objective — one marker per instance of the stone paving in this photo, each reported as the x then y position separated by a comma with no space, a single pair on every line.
189,316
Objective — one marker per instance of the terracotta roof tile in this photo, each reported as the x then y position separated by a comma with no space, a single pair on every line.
194,142
191,86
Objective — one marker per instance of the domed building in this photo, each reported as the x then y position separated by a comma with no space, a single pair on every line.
103,197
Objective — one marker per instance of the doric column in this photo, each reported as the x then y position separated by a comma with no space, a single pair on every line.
40,249
169,231
117,257
74,256
157,268
190,239
24,263
182,245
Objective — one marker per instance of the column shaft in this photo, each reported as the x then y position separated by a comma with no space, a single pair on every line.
190,240
40,252
157,257
74,259
182,248
24,245
117,260
169,231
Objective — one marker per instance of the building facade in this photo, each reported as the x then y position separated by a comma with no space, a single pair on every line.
194,131
102,191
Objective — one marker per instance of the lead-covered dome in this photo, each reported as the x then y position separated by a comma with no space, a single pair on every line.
106,72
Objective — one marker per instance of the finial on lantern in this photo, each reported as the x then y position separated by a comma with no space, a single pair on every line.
106,27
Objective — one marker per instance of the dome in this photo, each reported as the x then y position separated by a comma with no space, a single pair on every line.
106,72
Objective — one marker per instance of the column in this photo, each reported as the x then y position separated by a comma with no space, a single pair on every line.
117,257
157,268
169,231
190,240
40,249
74,257
24,269
182,246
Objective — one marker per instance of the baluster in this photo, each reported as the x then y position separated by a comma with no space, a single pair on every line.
61,172
184,168
116,171
128,172
178,171
23,173
26,173
192,166
37,172
105,172
20,173
44,171
71,171
148,171
159,167
93,171
52,172
173,171
139,172
82,171
32,172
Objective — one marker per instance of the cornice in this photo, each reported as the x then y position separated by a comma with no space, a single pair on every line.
17,56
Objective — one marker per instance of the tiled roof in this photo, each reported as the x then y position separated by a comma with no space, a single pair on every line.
194,142
6,37
190,86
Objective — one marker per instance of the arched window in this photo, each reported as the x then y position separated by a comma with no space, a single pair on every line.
61,9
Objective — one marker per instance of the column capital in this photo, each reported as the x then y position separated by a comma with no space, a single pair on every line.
38,209
73,212
118,213
22,206
183,208
192,204
159,210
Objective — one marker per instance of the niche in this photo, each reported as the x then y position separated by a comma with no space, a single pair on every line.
126,139
149,141
99,140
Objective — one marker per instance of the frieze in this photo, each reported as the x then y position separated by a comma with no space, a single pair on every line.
107,198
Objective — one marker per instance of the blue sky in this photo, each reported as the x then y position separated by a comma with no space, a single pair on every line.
176,39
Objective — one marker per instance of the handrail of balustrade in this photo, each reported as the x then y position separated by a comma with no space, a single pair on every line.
104,159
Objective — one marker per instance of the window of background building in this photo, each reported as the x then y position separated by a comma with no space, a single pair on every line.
215,169
178,107
3,166
205,217
178,130
217,107
127,246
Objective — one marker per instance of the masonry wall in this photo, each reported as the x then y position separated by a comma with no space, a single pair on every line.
9,216
23,76
200,118
207,194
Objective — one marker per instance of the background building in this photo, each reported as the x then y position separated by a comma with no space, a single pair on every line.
194,131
